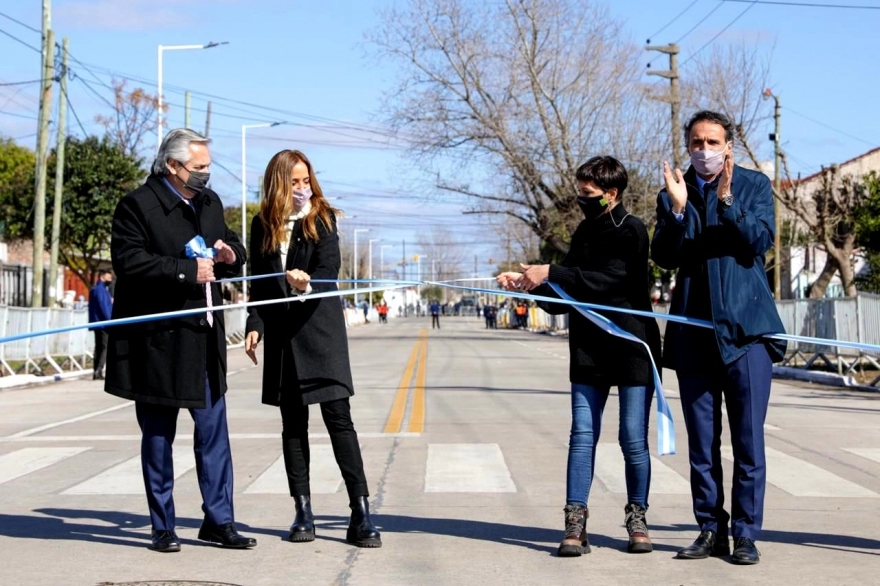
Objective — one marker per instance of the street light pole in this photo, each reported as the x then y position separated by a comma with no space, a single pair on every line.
370,265
161,49
244,129
419,258
354,261
382,259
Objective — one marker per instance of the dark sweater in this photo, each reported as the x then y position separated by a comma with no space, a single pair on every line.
607,264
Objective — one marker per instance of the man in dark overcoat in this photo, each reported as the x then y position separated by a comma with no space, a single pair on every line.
160,243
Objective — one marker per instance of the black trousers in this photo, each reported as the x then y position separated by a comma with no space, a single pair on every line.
100,357
435,321
343,438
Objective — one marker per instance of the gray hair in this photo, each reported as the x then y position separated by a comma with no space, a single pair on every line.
176,147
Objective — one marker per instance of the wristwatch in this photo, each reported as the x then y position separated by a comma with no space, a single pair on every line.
727,201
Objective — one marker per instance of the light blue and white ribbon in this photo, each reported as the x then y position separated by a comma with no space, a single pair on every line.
198,248
665,425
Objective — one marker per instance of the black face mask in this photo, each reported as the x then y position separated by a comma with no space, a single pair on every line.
198,181
593,207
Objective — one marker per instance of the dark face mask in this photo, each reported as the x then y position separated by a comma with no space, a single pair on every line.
593,207
198,181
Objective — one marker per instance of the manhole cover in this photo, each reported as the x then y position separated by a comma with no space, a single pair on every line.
167,583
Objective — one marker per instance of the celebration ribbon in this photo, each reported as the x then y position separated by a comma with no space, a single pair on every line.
197,248
665,424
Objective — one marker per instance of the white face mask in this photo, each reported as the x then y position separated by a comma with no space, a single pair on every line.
708,163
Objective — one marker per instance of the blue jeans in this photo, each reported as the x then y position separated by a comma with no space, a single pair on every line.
587,405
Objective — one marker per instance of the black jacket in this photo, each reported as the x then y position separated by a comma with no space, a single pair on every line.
607,264
305,344
165,362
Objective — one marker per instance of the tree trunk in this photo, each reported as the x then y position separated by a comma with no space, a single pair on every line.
818,287
847,272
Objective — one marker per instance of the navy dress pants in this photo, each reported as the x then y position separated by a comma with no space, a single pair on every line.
213,460
745,387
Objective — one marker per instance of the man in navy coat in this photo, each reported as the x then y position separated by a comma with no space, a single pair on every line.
714,225
100,309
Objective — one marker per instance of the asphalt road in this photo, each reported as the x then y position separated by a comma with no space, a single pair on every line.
464,434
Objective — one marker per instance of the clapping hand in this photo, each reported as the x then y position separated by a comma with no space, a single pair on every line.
676,188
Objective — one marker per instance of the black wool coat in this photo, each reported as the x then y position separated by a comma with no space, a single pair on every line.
305,346
165,362
607,264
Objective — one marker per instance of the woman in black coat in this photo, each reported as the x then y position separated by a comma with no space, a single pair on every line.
607,264
305,358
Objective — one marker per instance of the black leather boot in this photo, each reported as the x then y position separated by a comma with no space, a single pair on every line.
303,528
361,531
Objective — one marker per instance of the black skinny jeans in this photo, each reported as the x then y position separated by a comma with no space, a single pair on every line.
343,438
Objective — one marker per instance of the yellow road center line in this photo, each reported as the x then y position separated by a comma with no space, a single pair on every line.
398,407
417,416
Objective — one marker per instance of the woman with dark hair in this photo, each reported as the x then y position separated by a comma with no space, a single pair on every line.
305,359
607,264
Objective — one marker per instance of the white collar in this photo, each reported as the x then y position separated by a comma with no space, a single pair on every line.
301,214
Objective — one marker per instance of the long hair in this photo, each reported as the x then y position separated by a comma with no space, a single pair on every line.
277,204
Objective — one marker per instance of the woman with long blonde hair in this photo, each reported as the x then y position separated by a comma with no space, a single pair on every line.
305,355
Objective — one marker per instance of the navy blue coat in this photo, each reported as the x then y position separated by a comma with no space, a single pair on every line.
100,303
723,250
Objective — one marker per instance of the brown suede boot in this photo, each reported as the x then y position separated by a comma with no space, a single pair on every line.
575,542
637,527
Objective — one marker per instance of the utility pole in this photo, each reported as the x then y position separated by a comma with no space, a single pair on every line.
59,176
405,312
186,106
48,60
208,121
777,193
674,97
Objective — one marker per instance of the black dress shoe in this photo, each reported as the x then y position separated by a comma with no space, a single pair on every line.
225,535
165,542
361,531
745,552
303,528
707,544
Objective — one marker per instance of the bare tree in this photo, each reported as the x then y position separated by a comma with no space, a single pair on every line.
133,118
521,90
445,253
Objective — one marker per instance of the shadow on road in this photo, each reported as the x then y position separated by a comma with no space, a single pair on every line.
131,530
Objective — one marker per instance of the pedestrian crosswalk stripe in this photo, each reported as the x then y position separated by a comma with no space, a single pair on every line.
324,475
869,453
128,478
467,468
27,460
611,471
800,478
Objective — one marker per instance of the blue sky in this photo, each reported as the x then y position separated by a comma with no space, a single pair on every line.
306,59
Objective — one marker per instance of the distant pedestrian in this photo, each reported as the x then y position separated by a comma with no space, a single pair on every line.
100,309
435,314
366,309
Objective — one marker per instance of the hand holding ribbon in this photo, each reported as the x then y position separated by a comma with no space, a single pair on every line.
204,256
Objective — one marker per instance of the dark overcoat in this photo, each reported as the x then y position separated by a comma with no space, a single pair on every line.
719,254
165,362
607,264
305,346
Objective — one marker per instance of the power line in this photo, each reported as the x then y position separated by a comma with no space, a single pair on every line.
809,4
721,32
829,127
27,26
16,39
690,30
18,115
5,84
78,121
667,25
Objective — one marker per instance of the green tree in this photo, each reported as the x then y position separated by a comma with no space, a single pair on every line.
867,221
96,176
16,187
232,215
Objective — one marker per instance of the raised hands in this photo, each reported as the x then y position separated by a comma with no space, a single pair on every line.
675,187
